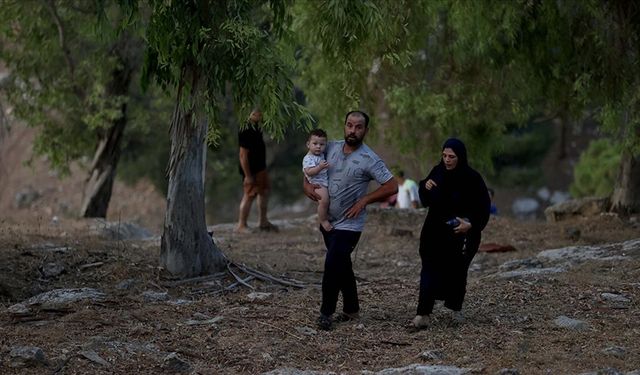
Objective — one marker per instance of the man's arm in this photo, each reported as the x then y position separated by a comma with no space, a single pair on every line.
310,189
414,196
380,194
244,164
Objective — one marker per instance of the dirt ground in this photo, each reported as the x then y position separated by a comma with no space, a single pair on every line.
216,326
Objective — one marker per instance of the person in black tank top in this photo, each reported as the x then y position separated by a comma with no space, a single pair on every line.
253,169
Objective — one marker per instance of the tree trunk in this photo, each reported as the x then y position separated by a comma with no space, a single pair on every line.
99,184
562,141
626,194
187,250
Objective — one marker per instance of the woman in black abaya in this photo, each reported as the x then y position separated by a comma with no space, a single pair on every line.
452,190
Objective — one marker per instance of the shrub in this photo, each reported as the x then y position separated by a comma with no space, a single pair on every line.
597,170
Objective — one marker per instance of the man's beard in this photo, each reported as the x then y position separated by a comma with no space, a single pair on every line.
352,140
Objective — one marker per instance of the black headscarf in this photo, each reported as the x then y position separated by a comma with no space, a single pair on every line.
458,174
459,149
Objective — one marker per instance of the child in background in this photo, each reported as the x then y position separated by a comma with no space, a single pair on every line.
315,167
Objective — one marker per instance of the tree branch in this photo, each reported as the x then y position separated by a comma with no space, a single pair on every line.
61,36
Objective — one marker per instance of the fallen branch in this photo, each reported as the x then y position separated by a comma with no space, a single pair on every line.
198,279
234,285
238,277
267,277
85,266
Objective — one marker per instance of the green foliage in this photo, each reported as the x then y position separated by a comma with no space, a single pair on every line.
517,162
340,43
596,172
60,71
210,49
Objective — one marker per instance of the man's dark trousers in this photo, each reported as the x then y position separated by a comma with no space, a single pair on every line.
338,272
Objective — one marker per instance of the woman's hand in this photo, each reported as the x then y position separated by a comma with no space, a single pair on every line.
463,227
430,184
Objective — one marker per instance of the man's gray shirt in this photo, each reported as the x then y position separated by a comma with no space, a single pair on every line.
349,177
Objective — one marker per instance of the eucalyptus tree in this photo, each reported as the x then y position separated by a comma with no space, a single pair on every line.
205,50
71,78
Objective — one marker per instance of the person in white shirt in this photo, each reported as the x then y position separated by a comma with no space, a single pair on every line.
407,192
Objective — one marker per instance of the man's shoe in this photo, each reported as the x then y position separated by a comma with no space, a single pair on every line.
346,317
420,321
324,322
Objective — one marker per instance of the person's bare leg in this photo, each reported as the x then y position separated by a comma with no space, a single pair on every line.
263,200
243,215
323,209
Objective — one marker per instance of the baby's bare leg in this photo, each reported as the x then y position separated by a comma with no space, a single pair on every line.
323,208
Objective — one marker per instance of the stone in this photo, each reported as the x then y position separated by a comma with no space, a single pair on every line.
94,357
120,230
58,299
529,272
27,356
615,351
520,263
306,331
258,296
151,296
576,207
52,270
614,297
569,323
417,369
174,363
432,355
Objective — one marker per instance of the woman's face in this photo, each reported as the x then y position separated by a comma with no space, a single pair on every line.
449,158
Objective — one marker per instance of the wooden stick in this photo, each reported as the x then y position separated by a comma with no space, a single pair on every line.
278,328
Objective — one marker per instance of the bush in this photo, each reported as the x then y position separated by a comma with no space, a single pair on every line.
597,170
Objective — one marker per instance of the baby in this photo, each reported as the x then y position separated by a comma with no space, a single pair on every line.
315,168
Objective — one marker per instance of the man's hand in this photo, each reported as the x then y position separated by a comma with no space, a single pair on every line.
248,180
355,210
310,190
323,165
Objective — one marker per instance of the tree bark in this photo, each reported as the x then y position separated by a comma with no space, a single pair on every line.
626,194
563,135
99,184
187,250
